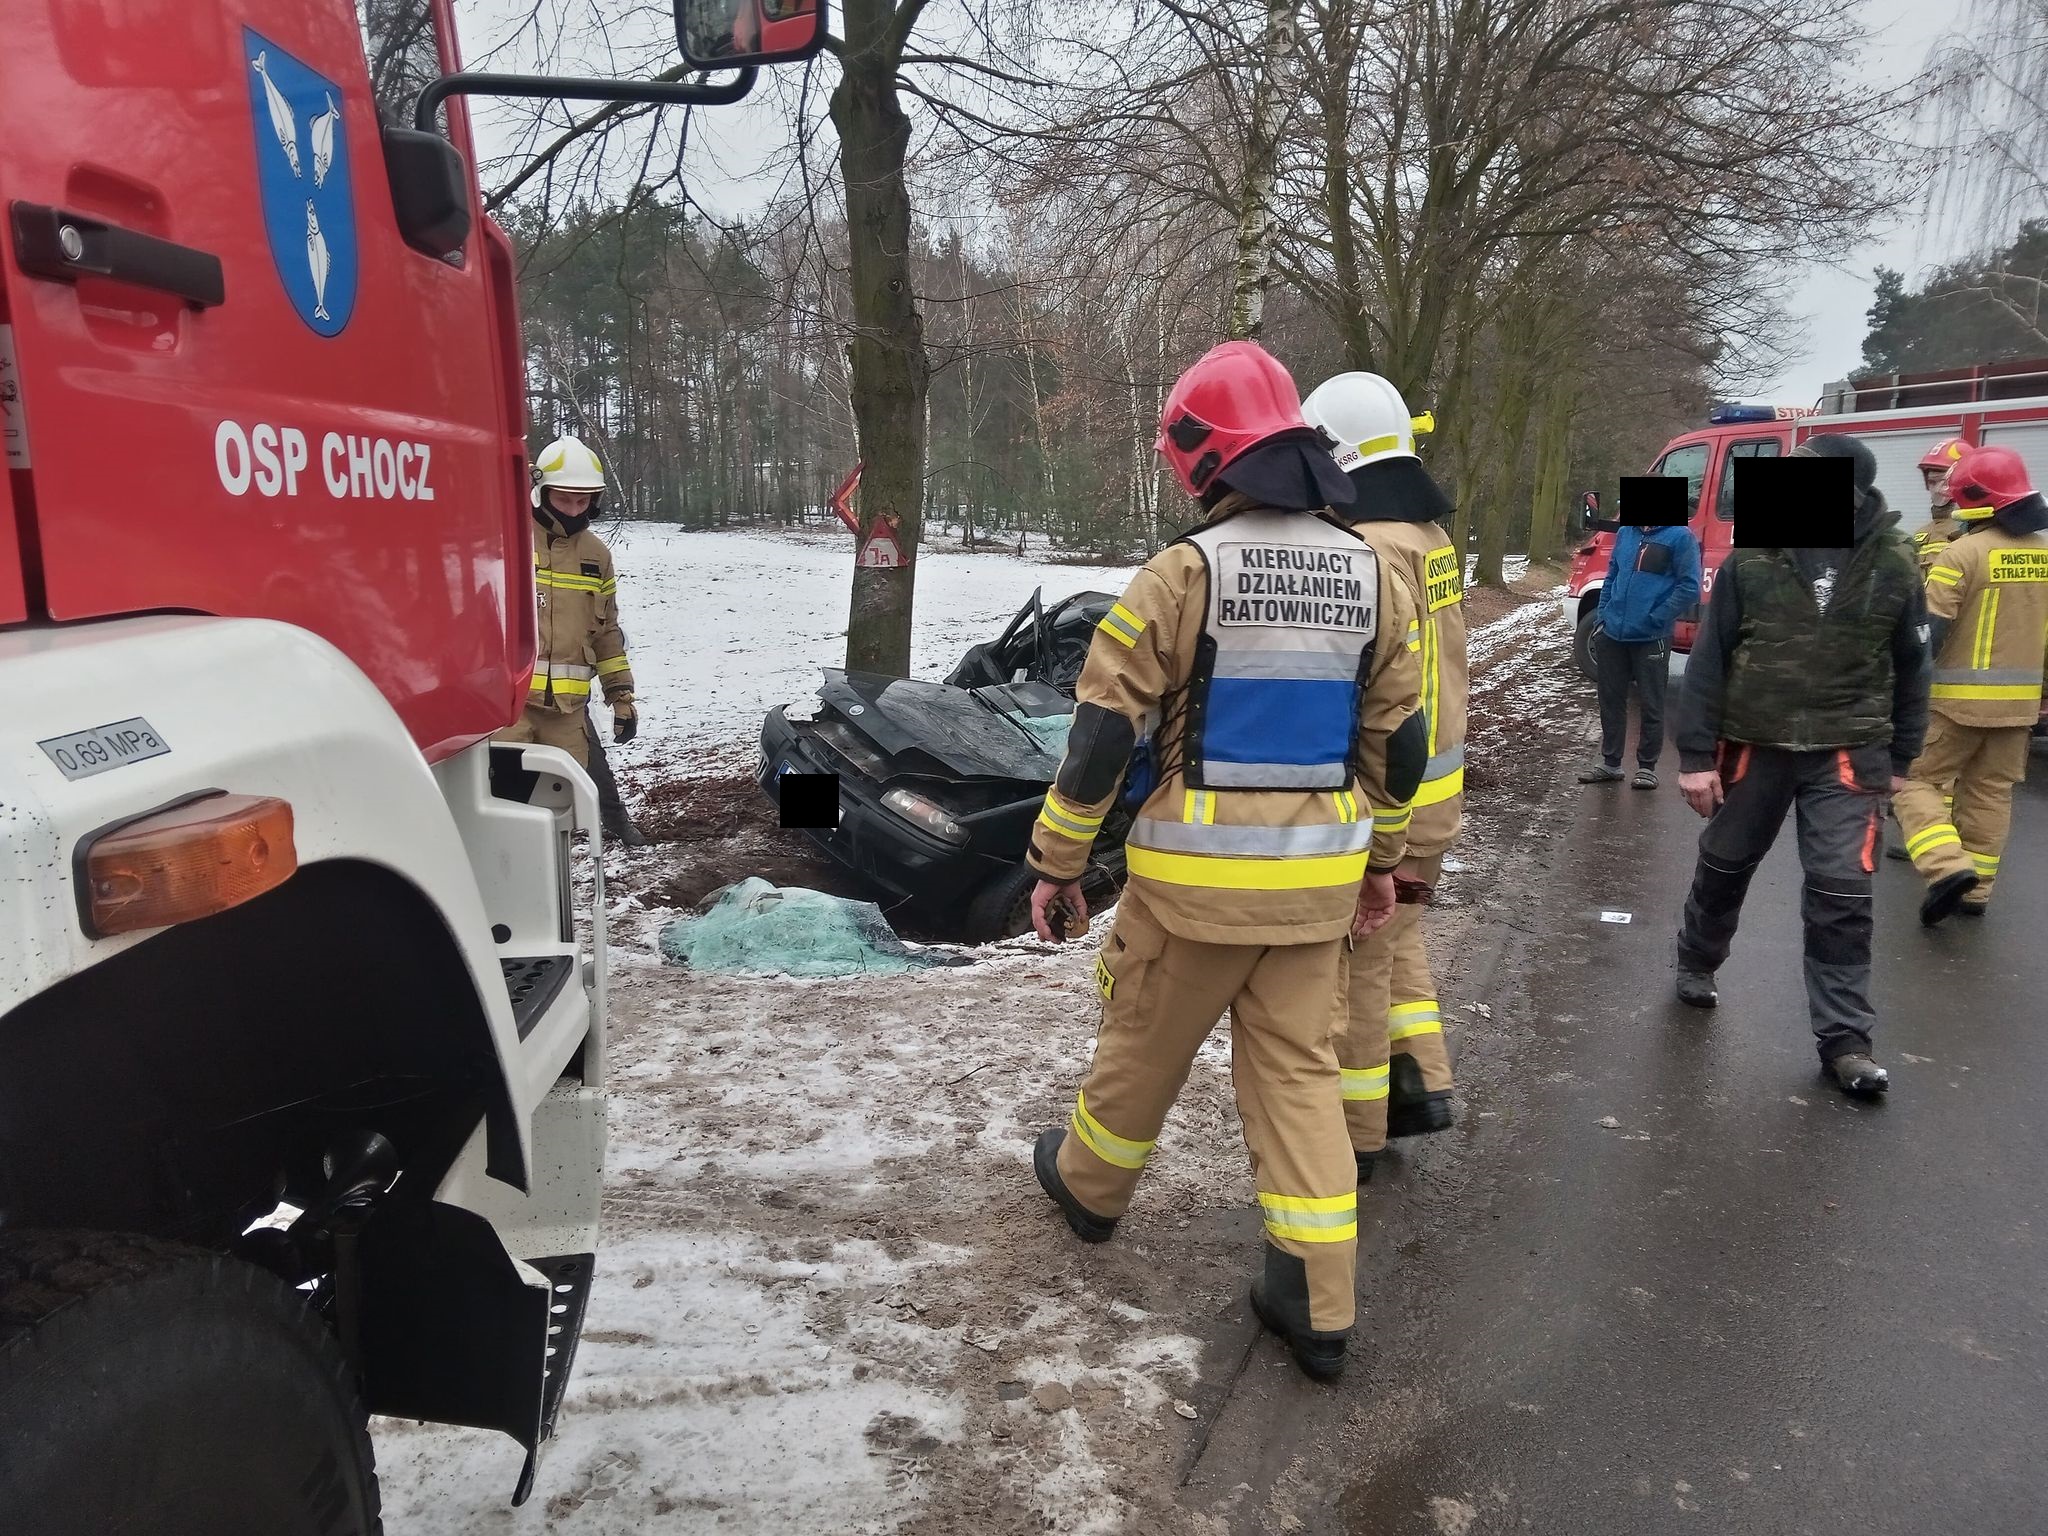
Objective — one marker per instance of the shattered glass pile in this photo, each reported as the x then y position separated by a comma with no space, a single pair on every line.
754,928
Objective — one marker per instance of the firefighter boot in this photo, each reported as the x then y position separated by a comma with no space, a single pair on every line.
1945,895
1088,1226
1365,1161
1696,989
1280,1298
1855,1073
1412,1111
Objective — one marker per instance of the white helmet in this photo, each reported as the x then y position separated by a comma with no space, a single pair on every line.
1366,417
567,464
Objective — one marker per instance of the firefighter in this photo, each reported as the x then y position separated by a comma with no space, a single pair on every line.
1947,524
1397,1070
1987,608
1930,541
580,640
1274,659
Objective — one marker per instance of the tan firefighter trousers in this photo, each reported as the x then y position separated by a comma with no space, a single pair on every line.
1162,995
1392,1010
546,726
1977,765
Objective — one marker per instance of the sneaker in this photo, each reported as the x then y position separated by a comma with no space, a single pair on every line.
1088,1226
1696,989
1280,1302
1365,1162
1945,895
1857,1074
1599,773
1646,778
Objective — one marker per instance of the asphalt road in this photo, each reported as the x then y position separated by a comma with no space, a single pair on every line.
1747,1304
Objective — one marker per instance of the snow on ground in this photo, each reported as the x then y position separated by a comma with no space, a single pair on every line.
722,626
829,1285
830,1296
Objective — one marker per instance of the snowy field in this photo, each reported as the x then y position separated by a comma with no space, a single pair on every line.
830,1296
723,626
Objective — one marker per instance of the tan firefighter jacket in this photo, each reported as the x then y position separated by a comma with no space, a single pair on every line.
1236,866
1424,552
1993,587
580,639
1929,542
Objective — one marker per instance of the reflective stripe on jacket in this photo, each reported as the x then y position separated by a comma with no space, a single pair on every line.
581,644
1424,551
1993,588
1226,865
1931,540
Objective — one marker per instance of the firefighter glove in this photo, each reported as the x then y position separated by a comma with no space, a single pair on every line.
625,719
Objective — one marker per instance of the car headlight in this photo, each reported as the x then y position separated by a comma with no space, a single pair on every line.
843,740
925,814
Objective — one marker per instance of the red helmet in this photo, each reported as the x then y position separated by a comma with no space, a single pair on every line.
1235,398
1989,477
1944,454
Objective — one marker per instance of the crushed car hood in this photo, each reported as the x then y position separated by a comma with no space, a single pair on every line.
973,732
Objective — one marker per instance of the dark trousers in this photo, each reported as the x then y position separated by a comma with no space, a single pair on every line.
1840,798
611,805
1622,665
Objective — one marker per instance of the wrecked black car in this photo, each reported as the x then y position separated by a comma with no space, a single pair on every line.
939,783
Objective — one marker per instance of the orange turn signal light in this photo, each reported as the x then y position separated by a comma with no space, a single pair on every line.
187,862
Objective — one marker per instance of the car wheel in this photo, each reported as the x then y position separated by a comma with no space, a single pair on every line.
1002,908
1582,646
148,1386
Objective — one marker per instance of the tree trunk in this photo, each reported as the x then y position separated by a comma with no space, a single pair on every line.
890,372
1496,502
1261,160
1037,429
1457,389
1553,464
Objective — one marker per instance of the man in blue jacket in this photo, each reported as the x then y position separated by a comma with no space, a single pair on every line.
1653,578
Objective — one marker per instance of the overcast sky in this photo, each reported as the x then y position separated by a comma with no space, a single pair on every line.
1832,301
1828,304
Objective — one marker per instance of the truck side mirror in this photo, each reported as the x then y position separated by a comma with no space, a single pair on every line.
429,190
731,34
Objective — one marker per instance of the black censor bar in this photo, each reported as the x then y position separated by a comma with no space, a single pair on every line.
1795,503
808,799
1654,501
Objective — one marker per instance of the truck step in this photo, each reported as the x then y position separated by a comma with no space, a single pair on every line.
533,985
569,1277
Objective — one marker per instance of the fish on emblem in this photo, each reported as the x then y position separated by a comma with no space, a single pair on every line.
323,141
317,260
282,122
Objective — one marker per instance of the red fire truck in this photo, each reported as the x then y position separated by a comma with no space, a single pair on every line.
302,1018
1900,417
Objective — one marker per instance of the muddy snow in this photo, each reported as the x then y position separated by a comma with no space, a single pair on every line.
830,1295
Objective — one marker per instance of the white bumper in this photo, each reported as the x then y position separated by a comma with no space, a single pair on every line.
250,707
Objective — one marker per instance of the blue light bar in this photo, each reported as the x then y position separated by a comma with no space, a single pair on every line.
1727,413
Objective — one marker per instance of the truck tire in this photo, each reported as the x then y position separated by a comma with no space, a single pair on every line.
149,1386
1582,645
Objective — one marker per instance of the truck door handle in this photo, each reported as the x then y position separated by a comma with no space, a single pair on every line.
50,242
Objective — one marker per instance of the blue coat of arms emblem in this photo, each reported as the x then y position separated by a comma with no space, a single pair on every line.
302,166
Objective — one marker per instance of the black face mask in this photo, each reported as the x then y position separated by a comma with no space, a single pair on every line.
557,523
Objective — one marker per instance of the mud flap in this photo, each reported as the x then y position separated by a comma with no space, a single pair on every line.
454,1330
